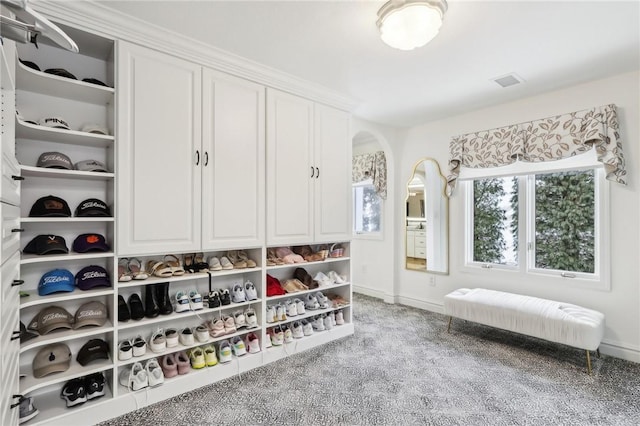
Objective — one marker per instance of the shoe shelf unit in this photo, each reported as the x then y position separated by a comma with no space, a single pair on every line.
42,95
341,266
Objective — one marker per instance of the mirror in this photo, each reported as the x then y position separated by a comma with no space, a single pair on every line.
427,219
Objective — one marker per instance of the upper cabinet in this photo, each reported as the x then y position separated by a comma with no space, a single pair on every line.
233,173
308,171
190,157
159,152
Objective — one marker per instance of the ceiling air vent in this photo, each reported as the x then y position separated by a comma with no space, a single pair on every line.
508,80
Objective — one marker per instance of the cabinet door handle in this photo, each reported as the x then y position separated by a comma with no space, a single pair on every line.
197,157
17,282
14,177
206,158
317,173
17,230
312,171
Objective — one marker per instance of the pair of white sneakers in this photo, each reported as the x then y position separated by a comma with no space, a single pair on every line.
130,348
316,301
244,292
330,278
276,313
139,377
188,302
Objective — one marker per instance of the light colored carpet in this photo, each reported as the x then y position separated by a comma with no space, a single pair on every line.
402,368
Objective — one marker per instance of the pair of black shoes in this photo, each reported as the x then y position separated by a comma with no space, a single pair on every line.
78,391
157,302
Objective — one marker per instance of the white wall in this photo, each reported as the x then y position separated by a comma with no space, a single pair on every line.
372,259
621,305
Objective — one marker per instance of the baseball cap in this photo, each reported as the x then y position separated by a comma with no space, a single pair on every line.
55,281
49,319
30,64
55,122
25,335
46,244
93,207
94,81
91,166
54,160
95,128
53,358
92,276
60,72
50,206
90,242
93,350
90,313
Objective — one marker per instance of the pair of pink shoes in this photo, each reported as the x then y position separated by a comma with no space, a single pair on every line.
174,364
288,256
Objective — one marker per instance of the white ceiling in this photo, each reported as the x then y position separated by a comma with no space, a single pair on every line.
336,44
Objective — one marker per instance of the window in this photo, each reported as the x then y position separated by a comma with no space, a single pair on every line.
367,209
544,223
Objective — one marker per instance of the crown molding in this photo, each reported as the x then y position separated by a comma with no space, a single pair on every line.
101,20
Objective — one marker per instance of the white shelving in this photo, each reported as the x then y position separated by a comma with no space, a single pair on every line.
30,171
65,335
30,383
297,294
34,299
34,258
61,87
36,132
187,277
305,264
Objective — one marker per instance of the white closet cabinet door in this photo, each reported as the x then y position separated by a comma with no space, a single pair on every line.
289,169
159,152
233,168
9,355
333,182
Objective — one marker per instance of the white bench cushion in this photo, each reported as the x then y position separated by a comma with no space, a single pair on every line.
546,319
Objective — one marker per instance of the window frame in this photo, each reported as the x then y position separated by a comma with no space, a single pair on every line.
365,235
526,269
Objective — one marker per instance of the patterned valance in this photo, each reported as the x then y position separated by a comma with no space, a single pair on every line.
371,166
548,139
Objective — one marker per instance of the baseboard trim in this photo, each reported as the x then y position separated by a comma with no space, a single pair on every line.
367,291
420,304
619,351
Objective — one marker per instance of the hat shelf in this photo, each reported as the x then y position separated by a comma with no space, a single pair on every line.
62,87
66,335
30,131
64,219
31,171
35,258
35,299
30,383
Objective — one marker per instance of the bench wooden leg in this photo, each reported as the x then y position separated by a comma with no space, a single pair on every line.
598,352
449,326
588,363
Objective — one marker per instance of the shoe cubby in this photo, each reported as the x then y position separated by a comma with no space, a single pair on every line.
48,399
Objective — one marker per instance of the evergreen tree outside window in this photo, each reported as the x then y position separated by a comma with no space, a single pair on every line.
367,209
561,233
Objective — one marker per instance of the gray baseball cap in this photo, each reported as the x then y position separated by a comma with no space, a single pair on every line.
54,160
53,358
91,313
49,319
91,166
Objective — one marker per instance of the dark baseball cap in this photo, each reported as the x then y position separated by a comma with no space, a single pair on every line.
54,160
93,207
56,281
46,244
49,319
50,206
93,350
30,64
94,81
90,313
53,358
60,72
90,242
92,276
25,334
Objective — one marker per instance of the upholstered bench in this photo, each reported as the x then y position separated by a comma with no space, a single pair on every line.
546,319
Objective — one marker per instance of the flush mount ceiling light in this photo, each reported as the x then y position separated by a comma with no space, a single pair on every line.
407,24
